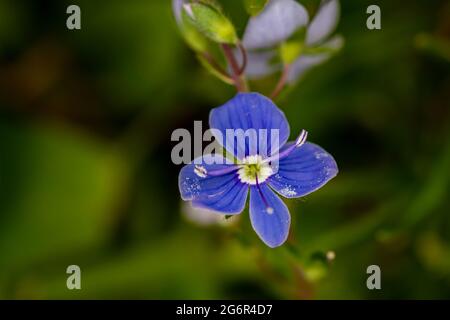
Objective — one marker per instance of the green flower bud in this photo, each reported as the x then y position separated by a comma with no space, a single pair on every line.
211,23
195,40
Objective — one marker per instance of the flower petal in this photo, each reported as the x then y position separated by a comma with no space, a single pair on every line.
273,227
229,200
224,193
324,22
250,111
259,64
279,20
306,62
305,170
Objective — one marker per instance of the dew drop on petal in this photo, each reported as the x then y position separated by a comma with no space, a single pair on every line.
288,191
321,155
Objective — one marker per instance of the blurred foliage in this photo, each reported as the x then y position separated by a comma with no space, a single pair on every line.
86,176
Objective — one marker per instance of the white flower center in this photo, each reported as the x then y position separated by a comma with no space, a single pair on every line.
253,168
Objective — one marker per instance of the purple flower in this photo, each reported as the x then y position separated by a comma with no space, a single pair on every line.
297,169
277,23
318,34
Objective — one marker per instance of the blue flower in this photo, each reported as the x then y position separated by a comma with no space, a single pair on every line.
298,168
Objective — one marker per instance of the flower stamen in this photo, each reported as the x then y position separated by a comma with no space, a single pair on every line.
301,138
298,143
203,173
200,171
253,167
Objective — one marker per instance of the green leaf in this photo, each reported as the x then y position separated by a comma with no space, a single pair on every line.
211,23
254,7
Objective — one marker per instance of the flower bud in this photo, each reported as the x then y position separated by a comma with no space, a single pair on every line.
211,23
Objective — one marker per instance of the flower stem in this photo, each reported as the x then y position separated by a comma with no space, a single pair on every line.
282,82
216,66
239,80
244,59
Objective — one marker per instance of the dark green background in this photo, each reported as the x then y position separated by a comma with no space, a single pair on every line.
86,176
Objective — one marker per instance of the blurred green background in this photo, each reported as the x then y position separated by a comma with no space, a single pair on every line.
86,176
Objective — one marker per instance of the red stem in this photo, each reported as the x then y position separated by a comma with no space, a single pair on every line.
281,83
244,58
210,59
235,69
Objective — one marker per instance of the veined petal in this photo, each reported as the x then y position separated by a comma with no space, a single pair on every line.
272,226
324,22
230,200
224,193
251,113
279,20
303,171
